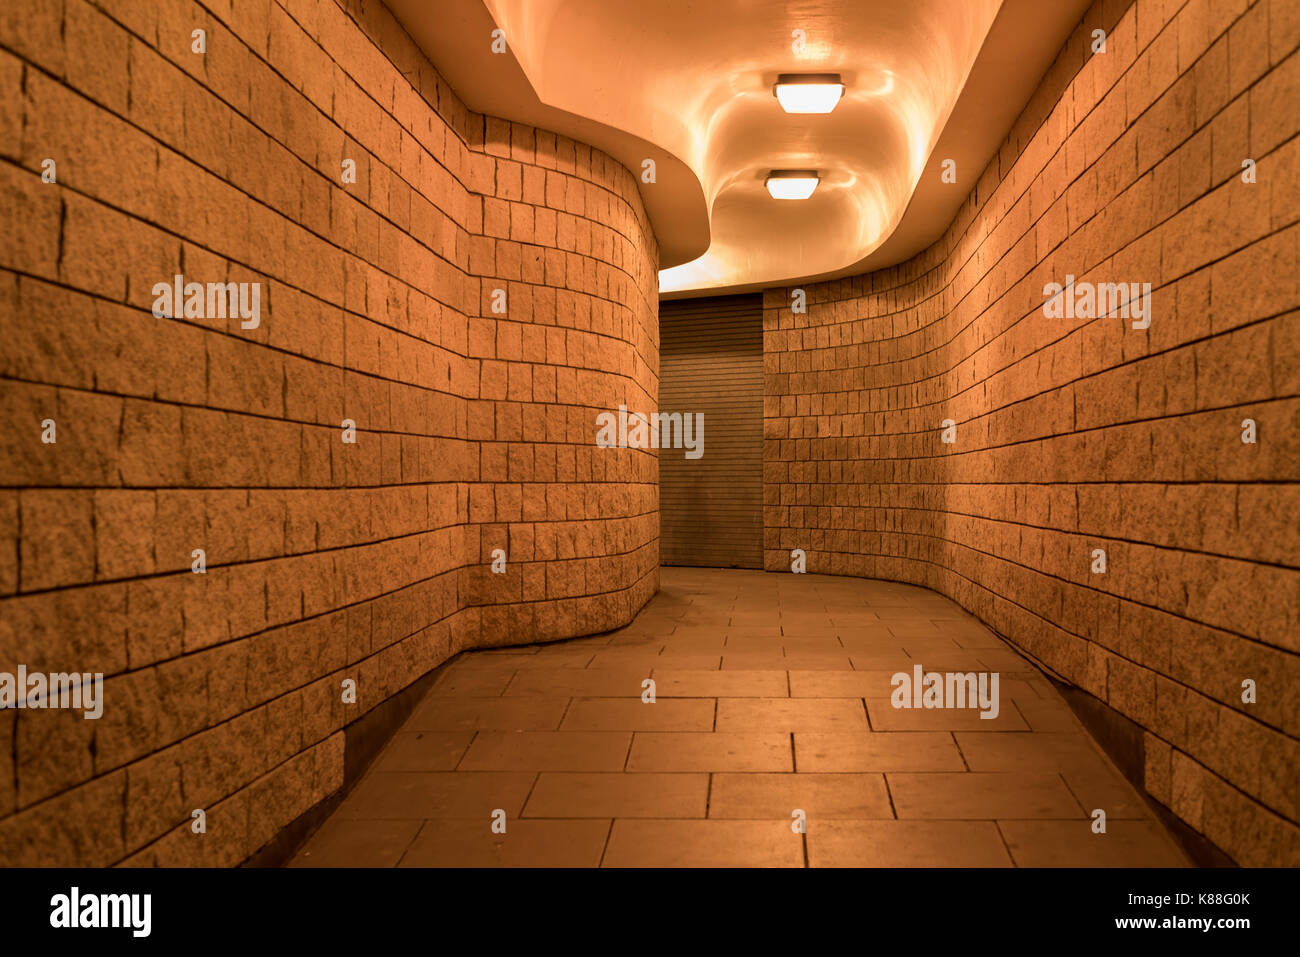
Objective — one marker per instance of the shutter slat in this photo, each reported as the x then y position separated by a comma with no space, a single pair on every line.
711,361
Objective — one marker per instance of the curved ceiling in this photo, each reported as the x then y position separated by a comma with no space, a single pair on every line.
689,84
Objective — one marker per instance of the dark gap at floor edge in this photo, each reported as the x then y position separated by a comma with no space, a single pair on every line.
363,740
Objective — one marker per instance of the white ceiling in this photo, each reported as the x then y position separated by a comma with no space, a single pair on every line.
689,84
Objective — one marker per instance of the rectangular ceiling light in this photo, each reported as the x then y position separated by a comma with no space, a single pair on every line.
808,92
791,183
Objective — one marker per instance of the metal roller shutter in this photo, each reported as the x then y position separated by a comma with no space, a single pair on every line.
711,362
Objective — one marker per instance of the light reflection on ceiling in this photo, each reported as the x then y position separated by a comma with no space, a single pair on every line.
689,84
696,78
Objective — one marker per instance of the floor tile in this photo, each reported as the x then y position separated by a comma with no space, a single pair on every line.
841,684
1102,786
1027,751
984,795
526,843
547,751
633,657
778,661
791,714
703,844
1073,844
819,796
876,751
615,795
787,645
577,682
346,843
674,683
489,714
424,751
1047,714
906,844
885,717
623,714
390,795
710,751
471,682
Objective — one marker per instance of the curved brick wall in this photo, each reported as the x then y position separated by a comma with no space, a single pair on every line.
325,561
1074,435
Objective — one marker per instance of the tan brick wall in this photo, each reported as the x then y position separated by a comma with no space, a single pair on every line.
1074,435
325,560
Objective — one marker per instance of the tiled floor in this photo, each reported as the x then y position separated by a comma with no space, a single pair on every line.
772,695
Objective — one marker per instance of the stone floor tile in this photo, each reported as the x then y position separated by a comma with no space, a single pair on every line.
470,682
488,714
974,639
389,795
841,684
791,714
876,751
819,796
1073,844
786,644
885,717
982,795
424,751
342,842
906,844
631,657
526,843
622,714
674,683
921,637
710,751
889,658
578,682
1102,786
777,661
752,633
547,751
616,795
1050,714
1001,659
709,843
1028,751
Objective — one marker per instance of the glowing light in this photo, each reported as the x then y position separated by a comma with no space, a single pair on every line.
808,93
791,183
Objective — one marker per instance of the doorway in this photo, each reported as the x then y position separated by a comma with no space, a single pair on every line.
711,365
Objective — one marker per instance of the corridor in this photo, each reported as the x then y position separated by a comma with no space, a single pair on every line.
772,695
565,432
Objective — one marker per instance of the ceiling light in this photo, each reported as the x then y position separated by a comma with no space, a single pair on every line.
808,92
791,183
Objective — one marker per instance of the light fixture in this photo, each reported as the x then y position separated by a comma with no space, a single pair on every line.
791,183
808,92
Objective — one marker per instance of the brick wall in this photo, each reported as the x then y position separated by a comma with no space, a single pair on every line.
325,560
1074,434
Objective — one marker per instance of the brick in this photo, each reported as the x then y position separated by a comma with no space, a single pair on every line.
57,547
1271,126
